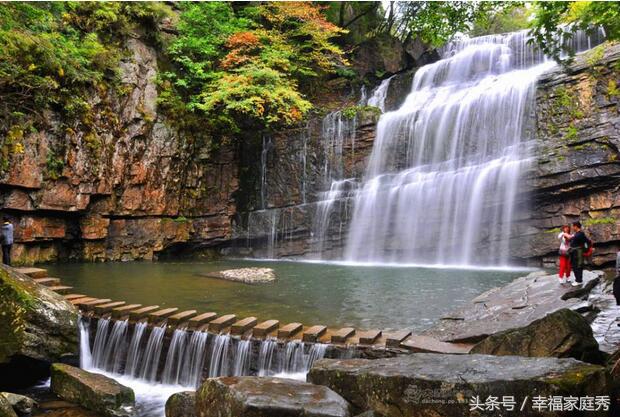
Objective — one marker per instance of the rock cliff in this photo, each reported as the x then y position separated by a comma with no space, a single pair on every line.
140,189
126,188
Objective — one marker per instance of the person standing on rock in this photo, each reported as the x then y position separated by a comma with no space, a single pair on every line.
6,239
579,244
565,269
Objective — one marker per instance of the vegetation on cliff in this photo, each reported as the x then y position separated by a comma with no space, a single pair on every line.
229,66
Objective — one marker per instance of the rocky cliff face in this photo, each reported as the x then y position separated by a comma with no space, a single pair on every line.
127,188
576,175
138,189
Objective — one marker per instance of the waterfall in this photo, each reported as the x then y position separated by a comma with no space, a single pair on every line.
133,355
193,360
152,354
241,365
379,94
175,357
294,360
443,178
115,348
125,357
219,356
267,145
101,338
265,356
86,360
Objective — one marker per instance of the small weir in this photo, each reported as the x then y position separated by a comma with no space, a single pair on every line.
186,357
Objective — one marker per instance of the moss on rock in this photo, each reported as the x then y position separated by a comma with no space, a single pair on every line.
35,322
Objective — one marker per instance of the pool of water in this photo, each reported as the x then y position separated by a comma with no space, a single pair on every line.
365,297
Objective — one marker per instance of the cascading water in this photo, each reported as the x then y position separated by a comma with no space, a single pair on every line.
152,354
134,354
442,180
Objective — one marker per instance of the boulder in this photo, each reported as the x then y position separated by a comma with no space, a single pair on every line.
516,304
20,403
442,385
181,404
251,275
92,391
37,324
562,334
267,397
5,408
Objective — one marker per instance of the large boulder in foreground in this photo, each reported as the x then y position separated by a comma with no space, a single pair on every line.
36,323
6,410
21,404
441,385
181,404
267,397
92,391
562,334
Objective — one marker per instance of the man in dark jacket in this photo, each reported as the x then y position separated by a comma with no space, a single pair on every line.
578,245
6,239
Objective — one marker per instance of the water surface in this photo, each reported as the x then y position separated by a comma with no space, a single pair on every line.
312,293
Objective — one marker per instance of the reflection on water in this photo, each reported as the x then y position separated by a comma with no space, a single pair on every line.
331,294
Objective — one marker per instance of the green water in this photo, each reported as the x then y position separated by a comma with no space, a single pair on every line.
330,294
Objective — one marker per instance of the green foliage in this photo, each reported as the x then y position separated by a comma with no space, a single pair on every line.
436,22
247,66
556,22
612,88
601,220
351,112
509,18
571,133
54,165
53,54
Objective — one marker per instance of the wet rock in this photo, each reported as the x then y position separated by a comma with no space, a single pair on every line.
267,397
515,305
246,275
92,391
438,385
562,334
21,404
181,404
36,323
5,408
381,54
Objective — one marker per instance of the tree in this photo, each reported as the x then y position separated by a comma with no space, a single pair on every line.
247,66
555,24
436,22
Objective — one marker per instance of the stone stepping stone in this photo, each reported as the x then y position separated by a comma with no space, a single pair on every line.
221,323
33,272
90,305
104,308
289,330
369,337
70,297
313,333
141,312
203,318
426,344
77,301
61,289
263,329
48,282
395,339
243,325
163,313
124,310
179,317
342,335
